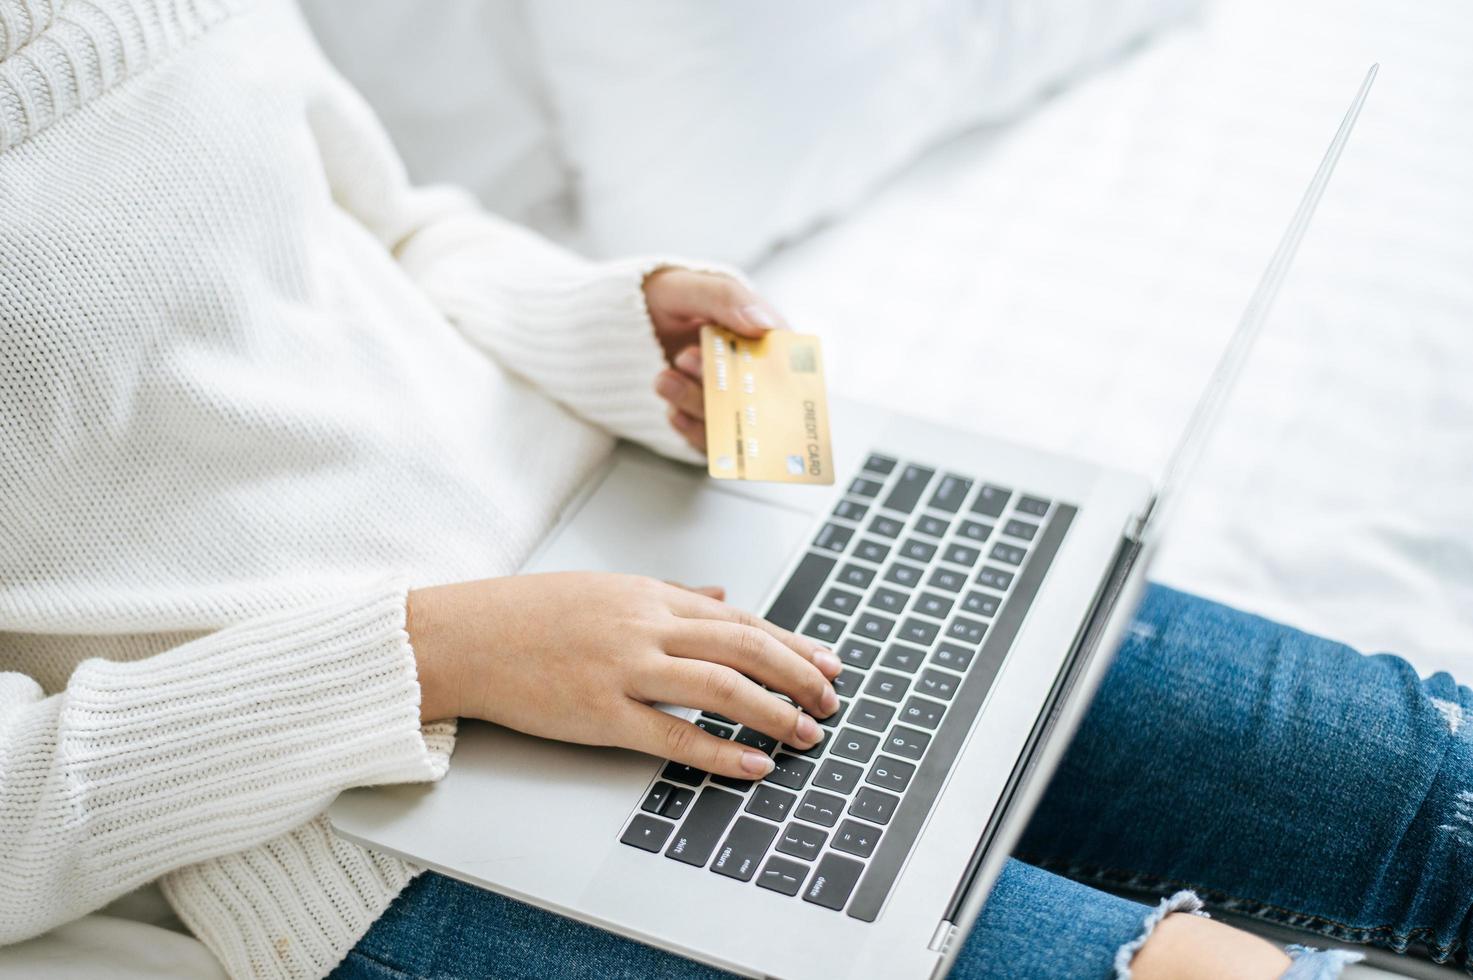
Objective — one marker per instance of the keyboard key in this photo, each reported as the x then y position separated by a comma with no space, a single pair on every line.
883,684
890,774
908,488
754,739
702,828
937,684
917,550
981,604
871,804
995,578
833,881
820,808
718,718
879,464
801,589
888,600
833,719
1011,554
933,526
855,745
846,685
946,578
647,833
953,656
801,840
712,728
903,574
689,775
974,530
743,850
782,876
1036,506
950,493
990,501
902,657
678,803
833,537
932,604
861,487
790,771
732,782
871,714
966,630
658,794
851,510
872,551
856,838
918,711
857,653
873,627
840,601
886,527
825,628
918,631
962,554
907,742
1020,529
772,803
838,777
855,575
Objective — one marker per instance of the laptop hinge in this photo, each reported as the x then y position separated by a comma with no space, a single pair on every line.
941,941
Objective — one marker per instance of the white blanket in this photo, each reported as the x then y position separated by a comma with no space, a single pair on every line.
1068,281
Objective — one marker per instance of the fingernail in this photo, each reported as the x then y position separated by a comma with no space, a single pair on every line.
827,662
756,763
829,702
667,386
688,360
808,728
759,315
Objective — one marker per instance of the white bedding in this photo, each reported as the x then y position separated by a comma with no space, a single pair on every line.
1068,280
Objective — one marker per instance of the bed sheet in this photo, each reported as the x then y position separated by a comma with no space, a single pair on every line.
1069,280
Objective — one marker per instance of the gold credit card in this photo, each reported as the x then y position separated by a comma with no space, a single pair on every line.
767,417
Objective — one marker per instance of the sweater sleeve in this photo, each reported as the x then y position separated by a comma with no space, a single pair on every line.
136,769
578,330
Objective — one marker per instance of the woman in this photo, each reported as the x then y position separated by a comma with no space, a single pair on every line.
253,386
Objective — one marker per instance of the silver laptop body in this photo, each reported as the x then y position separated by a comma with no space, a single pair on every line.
1034,606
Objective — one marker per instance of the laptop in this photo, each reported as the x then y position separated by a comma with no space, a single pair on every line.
975,591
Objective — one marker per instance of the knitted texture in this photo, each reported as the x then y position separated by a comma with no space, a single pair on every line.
252,387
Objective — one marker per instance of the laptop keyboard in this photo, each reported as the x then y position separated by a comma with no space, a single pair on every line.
919,580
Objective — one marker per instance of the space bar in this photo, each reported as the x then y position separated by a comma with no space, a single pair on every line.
803,585
949,739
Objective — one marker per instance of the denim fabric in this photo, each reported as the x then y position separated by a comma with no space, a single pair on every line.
1277,775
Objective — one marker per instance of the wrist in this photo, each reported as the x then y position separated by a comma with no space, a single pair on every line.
436,699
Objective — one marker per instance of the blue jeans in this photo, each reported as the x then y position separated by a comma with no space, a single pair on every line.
1274,774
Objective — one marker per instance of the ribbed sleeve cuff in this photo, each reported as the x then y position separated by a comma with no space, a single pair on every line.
223,743
578,330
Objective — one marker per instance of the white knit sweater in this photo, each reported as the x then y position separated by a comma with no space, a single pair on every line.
252,386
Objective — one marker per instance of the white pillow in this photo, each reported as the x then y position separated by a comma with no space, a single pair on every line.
455,86
719,129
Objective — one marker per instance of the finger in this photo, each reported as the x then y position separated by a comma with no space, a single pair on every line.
718,688
681,392
688,362
713,591
653,731
729,303
693,430
758,655
819,655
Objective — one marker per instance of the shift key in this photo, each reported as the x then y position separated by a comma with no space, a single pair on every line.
698,834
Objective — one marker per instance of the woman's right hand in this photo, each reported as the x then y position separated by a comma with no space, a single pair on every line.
581,656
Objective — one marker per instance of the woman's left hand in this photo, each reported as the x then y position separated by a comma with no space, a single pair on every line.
680,303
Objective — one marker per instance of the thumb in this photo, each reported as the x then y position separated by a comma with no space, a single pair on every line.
729,302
